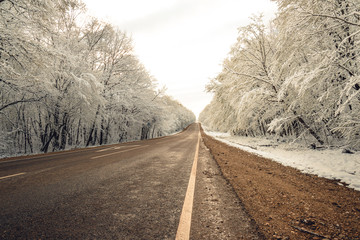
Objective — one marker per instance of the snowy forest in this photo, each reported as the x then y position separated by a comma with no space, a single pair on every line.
69,80
297,77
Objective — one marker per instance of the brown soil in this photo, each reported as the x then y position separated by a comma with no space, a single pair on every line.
217,212
285,203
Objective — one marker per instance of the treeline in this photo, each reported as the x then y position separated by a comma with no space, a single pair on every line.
298,77
69,80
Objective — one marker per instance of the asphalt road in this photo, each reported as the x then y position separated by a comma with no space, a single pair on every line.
126,191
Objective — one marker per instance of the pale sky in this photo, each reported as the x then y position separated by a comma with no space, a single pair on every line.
182,43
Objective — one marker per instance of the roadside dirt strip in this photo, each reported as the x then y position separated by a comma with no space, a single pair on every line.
283,202
217,211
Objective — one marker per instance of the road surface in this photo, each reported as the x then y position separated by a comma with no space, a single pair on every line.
126,191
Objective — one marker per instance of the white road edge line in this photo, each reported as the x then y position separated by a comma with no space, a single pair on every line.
183,231
127,150
14,175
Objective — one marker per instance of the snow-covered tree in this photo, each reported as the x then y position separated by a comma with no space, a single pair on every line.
23,56
299,77
248,84
323,37
68,80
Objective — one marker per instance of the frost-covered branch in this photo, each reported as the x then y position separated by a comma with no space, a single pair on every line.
251,76
335,18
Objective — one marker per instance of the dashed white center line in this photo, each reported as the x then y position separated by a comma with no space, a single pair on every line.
112,148
105,149
127,150
183,231
14,175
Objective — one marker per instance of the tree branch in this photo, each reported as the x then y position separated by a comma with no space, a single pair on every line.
251,76
309,232
21,101
333,17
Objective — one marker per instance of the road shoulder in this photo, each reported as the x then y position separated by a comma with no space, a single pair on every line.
285,203
217,211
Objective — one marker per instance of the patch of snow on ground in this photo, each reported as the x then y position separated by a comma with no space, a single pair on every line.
328,163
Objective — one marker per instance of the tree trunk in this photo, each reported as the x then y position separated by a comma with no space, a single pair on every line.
77,142
46,144
311,131
152,135
63,132
90,137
